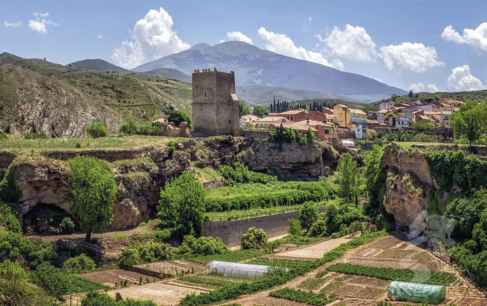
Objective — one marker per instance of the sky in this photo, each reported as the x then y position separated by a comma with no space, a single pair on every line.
424,45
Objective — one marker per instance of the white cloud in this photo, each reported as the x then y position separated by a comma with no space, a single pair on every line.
12,24
414,57
461,79
476,38
423,87
99,36
351,43
283,44
40,23
239,36
152,37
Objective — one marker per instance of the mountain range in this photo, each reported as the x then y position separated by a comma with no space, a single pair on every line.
268,72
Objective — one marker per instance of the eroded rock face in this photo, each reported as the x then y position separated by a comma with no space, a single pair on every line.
44,180
41,181
405,200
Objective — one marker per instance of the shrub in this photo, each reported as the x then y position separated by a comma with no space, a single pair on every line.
9,192
301,296
150,251
295,227
67,226
103,299
81,263
93,190
177,117
97,129
308,215
318,228
254,238
59,282
129,257
14,247
142,128
204,245
240,174
16,289
181,206
8,219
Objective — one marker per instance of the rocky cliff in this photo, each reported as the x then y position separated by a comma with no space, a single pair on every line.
43,180
408,184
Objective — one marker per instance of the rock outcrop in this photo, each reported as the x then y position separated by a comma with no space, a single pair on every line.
43,180
408,184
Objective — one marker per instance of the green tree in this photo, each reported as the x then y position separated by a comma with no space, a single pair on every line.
94,190
260,111
254,238
348,178
375,178
308,215
470,122
182,206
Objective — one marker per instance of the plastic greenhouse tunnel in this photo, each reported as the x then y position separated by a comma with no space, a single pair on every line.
231,269
418,293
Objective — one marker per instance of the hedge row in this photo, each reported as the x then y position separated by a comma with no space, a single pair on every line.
404,275
301,296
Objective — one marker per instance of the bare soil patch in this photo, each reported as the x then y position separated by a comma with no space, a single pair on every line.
160,293
117,278
315,251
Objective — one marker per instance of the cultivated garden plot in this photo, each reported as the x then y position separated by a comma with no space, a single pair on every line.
160,293
315,251
117,278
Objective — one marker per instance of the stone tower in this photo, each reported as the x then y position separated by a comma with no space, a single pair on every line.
216,108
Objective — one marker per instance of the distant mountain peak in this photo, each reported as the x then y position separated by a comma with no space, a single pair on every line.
96,64
258,67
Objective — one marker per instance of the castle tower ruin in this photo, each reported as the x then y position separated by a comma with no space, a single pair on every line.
215,105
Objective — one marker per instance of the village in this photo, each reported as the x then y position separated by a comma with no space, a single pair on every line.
342,123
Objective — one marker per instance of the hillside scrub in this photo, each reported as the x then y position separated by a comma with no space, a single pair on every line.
247,196
8,219
94,191
97,129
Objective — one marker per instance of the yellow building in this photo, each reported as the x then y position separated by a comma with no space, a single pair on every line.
343,115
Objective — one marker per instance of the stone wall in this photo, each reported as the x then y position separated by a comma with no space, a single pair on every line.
231,231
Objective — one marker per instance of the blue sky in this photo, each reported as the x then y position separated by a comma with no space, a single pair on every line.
403,43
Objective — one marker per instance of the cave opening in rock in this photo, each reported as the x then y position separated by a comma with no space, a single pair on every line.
48,220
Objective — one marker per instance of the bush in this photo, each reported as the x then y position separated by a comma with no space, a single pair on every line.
81,263
8,219
308,215
318,228
254,238
177,117
203,246
93,189
295,227
301,296
16,288
103,299
181,206
59,282
150,251
97,129
142,128
240,174
15,247
129,257
67,226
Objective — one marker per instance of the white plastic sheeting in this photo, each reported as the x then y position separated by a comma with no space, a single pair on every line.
231,269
